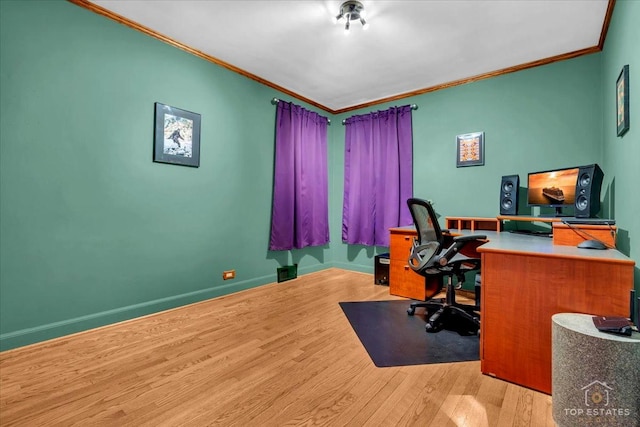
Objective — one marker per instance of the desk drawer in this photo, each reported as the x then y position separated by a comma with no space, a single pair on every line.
404,282
400,246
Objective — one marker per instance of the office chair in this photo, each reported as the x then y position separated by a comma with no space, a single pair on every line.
433,259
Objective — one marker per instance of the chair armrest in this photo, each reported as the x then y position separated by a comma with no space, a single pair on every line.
458,243
421,255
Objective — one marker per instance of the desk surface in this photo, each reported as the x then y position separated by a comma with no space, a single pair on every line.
535,246
543,246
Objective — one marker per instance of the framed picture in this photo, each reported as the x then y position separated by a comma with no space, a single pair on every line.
470,149
176,136
622,101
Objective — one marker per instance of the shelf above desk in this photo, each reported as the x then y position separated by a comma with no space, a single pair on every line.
472,223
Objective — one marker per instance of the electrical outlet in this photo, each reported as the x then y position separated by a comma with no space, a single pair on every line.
229,274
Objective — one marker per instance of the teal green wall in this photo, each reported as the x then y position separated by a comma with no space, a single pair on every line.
536,119
621,155
94,232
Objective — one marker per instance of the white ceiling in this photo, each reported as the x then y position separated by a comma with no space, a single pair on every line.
410,47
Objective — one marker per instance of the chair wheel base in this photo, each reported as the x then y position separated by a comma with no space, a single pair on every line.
432,328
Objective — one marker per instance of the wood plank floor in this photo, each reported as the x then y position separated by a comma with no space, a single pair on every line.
282,354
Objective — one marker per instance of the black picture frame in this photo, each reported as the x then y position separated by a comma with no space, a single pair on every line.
622,101
176,136
470,149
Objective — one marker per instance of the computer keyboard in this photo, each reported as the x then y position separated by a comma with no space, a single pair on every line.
589,221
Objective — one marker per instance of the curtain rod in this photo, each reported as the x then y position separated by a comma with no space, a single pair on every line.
413,107
275,101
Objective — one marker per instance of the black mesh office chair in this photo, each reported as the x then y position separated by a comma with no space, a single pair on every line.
430,257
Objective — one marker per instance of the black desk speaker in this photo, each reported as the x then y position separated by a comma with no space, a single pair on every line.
588,191
509,194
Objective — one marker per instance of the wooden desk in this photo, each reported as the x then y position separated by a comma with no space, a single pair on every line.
526,280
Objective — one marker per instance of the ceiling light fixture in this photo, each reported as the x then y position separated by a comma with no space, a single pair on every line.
352,10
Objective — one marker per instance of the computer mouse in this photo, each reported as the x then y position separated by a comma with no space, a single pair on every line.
592,244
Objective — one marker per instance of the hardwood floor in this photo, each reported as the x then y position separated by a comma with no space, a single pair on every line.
282,354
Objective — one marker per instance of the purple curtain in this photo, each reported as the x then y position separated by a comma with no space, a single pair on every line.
300,211
378,175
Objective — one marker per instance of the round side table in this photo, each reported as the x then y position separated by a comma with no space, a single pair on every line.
595,375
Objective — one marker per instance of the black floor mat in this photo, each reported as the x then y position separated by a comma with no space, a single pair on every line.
393,338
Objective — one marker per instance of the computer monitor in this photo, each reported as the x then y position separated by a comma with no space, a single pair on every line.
554,188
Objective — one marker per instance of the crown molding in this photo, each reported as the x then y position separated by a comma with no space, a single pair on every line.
148,31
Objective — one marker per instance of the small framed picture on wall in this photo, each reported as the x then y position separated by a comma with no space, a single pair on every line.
622,101
470,149
176,136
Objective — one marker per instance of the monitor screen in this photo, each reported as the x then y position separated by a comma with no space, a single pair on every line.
552,188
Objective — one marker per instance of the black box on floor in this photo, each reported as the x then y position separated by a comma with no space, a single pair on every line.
287,272
382,269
